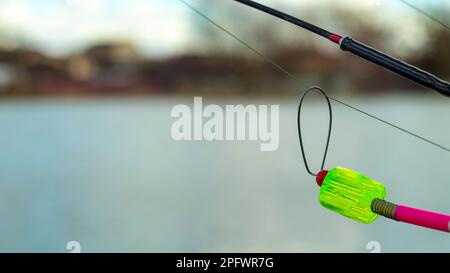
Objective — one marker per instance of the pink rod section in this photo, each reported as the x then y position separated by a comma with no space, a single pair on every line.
423,218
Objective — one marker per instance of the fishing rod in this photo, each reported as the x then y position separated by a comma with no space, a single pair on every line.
364,51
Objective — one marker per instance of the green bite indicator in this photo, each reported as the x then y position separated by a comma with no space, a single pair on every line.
349,193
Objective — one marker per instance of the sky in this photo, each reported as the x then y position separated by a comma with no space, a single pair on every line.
157,27
61,26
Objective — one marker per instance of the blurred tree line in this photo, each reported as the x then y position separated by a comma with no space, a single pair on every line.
218,64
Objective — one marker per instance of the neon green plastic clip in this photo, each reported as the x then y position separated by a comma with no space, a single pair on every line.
349,193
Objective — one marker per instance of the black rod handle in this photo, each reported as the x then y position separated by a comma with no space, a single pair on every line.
409,71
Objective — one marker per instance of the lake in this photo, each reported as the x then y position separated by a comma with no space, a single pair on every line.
106,173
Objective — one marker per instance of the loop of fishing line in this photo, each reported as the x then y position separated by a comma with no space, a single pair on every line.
299,127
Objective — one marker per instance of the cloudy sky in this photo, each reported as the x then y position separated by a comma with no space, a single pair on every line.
158,27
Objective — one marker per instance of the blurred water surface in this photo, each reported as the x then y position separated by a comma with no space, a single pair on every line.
107,173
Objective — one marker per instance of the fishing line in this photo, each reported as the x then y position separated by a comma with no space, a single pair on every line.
426,14
290,75
299,127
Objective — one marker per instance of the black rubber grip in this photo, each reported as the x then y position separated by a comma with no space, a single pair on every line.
409,71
